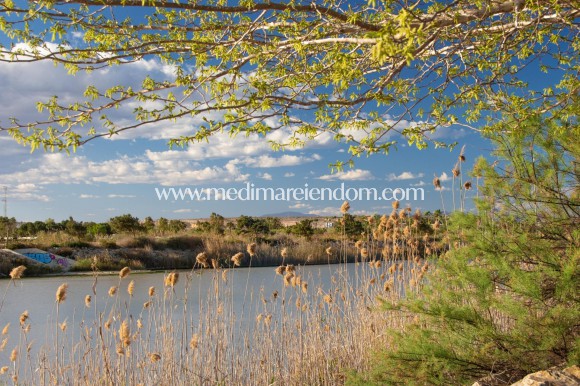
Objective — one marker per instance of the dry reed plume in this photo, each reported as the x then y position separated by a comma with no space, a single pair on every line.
131,287
171,279
125,333
345,207
124,272
202,260
16,273
251,249
61,293
112,291
237,259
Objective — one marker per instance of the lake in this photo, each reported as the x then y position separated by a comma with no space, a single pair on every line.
244,312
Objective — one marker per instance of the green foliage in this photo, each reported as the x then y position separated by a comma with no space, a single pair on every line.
273,223
303,228
354,68
51,225
77,244
74,228
29,229
7,227
252,225
504,301
351,226
148,224
125,224
216,224
163,225
176,226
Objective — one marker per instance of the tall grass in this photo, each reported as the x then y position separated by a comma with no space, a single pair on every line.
302,333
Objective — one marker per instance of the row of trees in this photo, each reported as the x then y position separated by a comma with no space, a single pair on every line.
126,223
351,226
257,226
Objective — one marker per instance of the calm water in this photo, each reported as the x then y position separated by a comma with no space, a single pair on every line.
248,289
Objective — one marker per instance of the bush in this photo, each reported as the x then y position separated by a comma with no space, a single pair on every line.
106,263
108,244
64,251
78,244
17,245
135,242
183,243
504,301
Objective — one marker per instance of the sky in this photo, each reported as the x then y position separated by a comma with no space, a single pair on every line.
108,177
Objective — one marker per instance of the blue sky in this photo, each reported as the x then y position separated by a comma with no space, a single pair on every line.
109,177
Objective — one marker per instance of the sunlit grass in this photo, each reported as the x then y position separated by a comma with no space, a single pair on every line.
303,332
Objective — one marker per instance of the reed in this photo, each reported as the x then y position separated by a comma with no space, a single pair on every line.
302,333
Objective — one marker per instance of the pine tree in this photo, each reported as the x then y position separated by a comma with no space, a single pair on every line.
505,299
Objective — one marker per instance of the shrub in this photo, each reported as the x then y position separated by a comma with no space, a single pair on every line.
108,244
77,244
184,243
503,302
106,263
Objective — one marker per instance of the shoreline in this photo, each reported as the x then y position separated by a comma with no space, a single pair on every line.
160,270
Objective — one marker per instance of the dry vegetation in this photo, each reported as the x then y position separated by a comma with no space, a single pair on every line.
304,332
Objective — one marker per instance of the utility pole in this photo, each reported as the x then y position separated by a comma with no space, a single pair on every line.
5,200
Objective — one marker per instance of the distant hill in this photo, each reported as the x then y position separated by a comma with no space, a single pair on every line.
289,214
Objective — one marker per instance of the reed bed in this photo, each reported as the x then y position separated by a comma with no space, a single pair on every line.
303,332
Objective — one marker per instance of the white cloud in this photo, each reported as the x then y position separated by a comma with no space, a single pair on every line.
267,161
328,211
451,132
59,168
182,211
299,205
121,196
265,176
289,174
24,191
23,84
24,188
243,148
404,176
420,183
363,212
444,177
351,175
88,196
